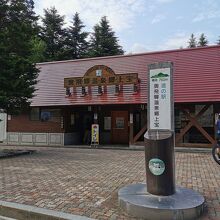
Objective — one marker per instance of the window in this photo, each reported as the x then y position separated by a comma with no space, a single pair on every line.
107,123
35,114
53,115
44,115
120,122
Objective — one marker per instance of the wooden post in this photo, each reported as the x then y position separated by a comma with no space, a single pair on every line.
131,129
138,135
193,121
95,132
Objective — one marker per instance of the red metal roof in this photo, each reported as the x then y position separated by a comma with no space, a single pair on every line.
196,77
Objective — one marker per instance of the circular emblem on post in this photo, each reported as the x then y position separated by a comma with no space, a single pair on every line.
156,166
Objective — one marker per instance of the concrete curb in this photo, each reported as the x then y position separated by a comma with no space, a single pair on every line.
193,150
109,147
6,218
14,153
141,148
26,212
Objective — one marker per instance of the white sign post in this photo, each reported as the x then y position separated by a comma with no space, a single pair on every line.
159,139
160,103
159,196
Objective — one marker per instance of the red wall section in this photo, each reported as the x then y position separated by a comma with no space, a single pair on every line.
196,77
22,123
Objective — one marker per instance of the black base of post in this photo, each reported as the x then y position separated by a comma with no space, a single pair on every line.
159,159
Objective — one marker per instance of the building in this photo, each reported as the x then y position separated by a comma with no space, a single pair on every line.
112,92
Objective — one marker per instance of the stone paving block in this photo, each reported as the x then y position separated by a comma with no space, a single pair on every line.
86,181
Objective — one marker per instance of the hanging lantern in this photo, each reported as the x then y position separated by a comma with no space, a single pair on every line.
83,91
117,89
100,90
135,88
68,93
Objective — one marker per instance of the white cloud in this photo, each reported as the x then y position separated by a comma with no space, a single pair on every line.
153,5
121,13
208,9
158,18
206,15
180,40
164,1
175,42
179,17
138,48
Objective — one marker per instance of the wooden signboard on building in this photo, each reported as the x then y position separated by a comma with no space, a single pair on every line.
101,75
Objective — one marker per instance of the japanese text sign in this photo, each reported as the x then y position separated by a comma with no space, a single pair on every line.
160,99
95,134
100,75
129,78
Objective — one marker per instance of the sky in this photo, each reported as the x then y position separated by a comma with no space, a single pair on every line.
145,25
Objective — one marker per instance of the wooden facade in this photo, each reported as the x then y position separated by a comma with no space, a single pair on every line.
112,91
121,124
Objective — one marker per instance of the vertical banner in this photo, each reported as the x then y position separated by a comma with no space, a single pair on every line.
95,134
160,98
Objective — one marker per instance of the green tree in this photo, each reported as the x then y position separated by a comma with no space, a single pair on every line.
18,25
103,41
53,34
38,48
77,45
202,41
192,41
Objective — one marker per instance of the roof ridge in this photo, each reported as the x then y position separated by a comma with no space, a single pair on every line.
128,55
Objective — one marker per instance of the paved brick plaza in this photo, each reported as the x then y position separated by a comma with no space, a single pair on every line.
86,181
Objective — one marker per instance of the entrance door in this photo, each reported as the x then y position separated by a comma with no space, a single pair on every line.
3,118
119,131
86,120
